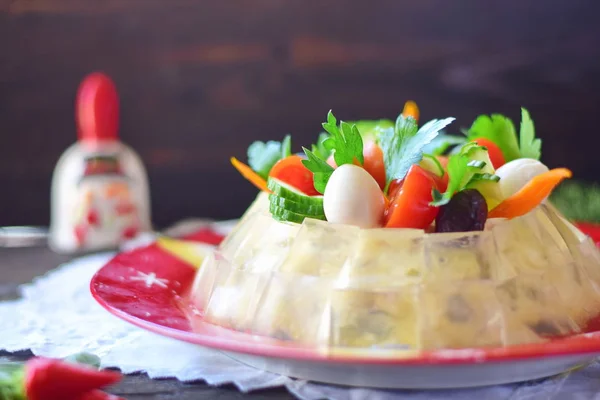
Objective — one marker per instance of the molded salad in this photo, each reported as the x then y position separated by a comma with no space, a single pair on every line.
381,173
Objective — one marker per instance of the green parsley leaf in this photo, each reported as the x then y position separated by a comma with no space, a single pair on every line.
457,169
320,169
442,143
403,146
319,149
286,146
345,142
262,156
530,146
500,130
462,172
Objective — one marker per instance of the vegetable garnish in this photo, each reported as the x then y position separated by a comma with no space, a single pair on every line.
442,143
53,379
41,378
501,130
496,156
403,146
320,169
346,145
249,174
345,142
262,156
410,199
319,149
463,171
490,166
371,129
292,171
531,195
530,146
374,163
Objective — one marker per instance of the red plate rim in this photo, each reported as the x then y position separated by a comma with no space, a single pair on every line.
130,301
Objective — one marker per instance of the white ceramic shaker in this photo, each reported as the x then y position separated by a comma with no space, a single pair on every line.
100,195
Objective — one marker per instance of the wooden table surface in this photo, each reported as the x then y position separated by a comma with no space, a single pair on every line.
21,265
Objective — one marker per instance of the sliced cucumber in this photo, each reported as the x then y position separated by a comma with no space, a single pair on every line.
289,192
298,208
432,164
479,157
281,214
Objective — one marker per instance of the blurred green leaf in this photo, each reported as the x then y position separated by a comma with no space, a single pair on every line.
578,201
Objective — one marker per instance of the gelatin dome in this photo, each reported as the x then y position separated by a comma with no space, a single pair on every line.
519,281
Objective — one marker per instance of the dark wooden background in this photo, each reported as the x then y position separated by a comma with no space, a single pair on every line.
200,80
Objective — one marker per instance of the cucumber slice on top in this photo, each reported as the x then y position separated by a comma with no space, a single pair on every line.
281,214
289,204
289,192
432,164
299,208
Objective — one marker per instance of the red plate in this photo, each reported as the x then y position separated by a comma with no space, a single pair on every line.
148,287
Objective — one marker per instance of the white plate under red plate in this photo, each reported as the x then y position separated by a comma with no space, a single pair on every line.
148,287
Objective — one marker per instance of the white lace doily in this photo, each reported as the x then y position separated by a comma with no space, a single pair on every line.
57,317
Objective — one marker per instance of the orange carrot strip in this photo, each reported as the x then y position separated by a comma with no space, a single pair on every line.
249,174
411,110
530,195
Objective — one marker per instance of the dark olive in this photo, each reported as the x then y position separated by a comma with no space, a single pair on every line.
466,211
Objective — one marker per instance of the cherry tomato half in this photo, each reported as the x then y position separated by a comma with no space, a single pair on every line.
496,156
291,171
374,162
409,200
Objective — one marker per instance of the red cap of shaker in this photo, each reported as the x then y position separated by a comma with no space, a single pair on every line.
97,109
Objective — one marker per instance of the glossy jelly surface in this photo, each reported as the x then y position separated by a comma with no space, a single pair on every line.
520,281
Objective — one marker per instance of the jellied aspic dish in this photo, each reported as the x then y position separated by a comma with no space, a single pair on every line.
393,235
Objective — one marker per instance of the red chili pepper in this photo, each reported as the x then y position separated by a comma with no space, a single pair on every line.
52,379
